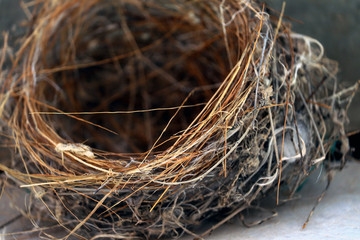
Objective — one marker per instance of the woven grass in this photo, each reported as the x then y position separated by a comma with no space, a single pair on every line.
142,119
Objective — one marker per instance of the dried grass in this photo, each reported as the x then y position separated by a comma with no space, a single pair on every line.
142,119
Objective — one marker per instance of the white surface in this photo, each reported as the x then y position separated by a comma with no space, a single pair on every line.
336,217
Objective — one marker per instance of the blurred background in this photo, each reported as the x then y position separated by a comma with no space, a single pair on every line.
336,24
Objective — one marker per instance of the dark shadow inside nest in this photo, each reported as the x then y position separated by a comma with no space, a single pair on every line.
157,61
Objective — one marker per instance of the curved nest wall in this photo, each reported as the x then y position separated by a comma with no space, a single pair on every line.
145,118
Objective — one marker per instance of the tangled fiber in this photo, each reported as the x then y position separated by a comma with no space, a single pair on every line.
142,119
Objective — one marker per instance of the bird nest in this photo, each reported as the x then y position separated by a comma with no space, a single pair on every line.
142,119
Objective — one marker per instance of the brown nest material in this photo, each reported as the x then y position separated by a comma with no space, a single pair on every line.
141,119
